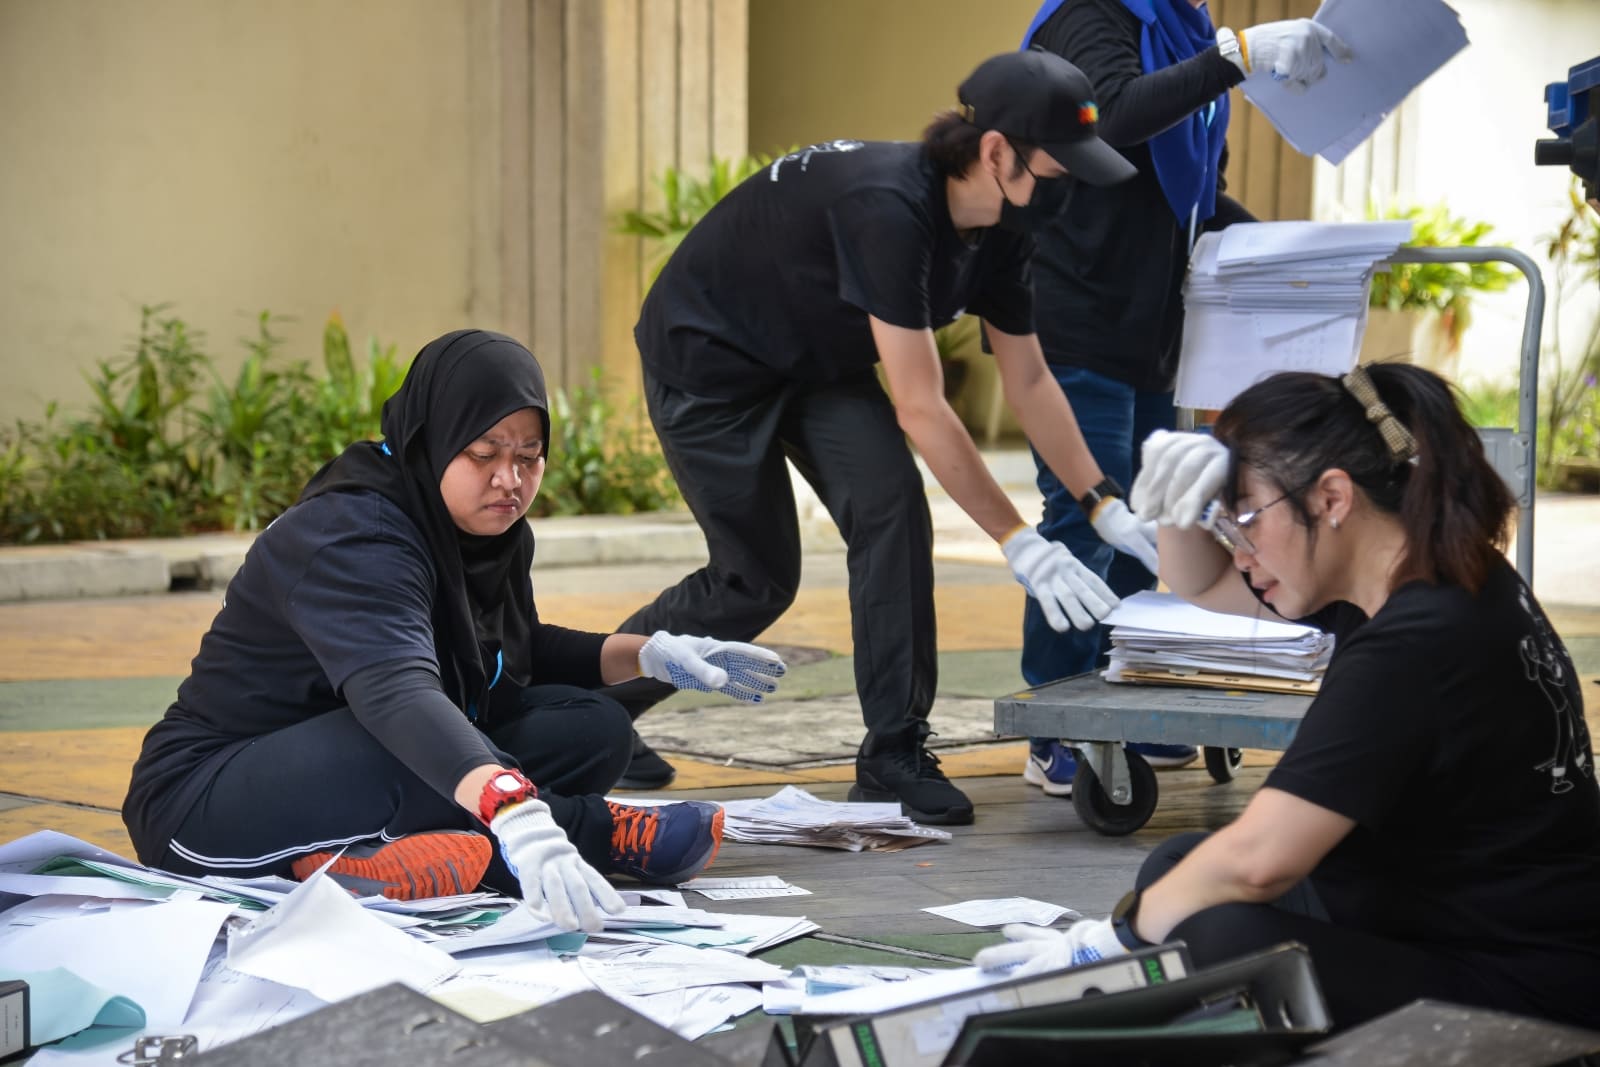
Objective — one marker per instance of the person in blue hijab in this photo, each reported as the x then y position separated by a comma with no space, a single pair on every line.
1108,273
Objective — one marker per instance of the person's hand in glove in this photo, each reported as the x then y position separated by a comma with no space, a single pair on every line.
1180,474
1034,949
744,672
556,883
1123,531
1068,593
1294,51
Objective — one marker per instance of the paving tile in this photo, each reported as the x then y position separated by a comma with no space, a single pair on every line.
101,828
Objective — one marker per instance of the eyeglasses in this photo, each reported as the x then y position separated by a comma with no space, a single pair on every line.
1230,529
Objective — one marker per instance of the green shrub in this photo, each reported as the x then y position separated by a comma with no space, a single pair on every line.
599,465
169,446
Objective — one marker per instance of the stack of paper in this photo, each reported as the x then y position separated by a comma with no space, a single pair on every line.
1266,297
794,817
1394,48
1156,637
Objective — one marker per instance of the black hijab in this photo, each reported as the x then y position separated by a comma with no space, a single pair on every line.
457,388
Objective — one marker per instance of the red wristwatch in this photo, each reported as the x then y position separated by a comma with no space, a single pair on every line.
505,787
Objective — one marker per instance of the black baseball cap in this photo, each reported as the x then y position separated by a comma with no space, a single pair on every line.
1038,97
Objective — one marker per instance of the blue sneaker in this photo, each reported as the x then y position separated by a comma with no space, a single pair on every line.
1050,766
1167,755
665,844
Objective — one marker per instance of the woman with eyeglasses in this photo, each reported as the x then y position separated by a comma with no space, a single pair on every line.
1433,830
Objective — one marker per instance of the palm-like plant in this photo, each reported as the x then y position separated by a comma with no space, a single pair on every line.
686,199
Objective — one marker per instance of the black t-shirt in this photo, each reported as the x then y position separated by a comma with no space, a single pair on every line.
1109,272
775,283
1450,728
337,584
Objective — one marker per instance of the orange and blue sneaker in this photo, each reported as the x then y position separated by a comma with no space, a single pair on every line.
664,845
438,863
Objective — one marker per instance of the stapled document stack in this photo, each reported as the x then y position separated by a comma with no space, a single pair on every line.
1394,48
793,816
1157,638
1265,297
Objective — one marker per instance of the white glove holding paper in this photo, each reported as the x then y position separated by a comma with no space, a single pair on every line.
556,882
1293,51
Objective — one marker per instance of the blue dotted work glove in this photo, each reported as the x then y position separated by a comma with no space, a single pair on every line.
733,668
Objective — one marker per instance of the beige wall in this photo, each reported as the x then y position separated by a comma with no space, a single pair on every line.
229,157
417,164
878,70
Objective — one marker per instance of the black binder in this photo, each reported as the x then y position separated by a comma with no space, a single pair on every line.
1252,1012
918,1035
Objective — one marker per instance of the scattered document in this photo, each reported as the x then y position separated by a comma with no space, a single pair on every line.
1265,297
1395,48
320,940
758,887
118,950
793,816
1001,910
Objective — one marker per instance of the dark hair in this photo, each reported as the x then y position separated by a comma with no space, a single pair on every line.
950,143
1452,504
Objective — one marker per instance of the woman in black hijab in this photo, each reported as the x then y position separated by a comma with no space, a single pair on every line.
378,684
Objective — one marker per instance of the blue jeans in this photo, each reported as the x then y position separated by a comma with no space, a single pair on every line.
1115,419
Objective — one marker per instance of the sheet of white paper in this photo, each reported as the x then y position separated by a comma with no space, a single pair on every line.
1001,910
121,950
693,1013
757,887
1150,610
675,967
873,999
229,1005
38,885
1396,47
320,940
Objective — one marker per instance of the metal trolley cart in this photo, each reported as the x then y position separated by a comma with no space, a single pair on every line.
1115,790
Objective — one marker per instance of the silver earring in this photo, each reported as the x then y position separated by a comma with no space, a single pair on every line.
1335,522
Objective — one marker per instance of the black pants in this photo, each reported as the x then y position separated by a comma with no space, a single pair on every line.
1362,975
326,783
728,459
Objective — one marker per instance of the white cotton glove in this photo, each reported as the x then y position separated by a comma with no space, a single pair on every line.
1069,593
1122,530
556,883
1179,474
1035,950
744,672
1292,51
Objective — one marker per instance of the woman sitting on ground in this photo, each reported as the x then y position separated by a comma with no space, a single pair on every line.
378,684
1433,830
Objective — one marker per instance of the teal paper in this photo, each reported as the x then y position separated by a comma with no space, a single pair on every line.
60,1004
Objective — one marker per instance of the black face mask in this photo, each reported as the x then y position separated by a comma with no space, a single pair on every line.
1049,197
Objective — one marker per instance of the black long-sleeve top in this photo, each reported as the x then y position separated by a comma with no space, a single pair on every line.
1108,275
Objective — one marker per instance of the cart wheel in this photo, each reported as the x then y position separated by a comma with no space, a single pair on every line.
1096,809
1223,763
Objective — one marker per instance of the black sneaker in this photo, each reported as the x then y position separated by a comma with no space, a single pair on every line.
899,767
646,769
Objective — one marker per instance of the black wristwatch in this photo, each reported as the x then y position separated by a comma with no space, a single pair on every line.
1099,495
1122,922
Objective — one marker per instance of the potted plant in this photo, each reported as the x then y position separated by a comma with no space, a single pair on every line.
1418,312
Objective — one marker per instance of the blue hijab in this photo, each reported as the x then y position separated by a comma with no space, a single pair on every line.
1186,156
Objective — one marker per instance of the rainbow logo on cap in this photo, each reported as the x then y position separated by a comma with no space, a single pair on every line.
1088,113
